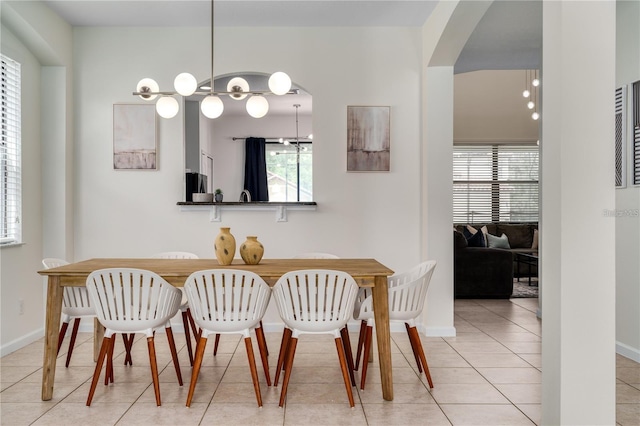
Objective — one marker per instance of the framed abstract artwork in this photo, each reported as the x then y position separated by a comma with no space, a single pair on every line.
368,138
134,137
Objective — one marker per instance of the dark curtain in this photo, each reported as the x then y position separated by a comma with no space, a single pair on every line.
255,169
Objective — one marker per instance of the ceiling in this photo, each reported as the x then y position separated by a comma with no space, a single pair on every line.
509,36
288,13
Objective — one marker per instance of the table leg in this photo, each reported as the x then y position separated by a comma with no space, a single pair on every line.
52,327
98,335
383,334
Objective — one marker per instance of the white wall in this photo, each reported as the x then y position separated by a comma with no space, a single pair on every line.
628,199
41,42
578,263
16,283
134,213
488,106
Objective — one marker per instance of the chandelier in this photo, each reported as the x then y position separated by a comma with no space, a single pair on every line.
531,84
185,84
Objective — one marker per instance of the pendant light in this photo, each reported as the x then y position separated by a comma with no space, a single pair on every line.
185,84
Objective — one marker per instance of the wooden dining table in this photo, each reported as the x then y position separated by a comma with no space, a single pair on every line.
366,272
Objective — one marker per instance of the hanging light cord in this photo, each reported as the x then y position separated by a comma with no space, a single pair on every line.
212,46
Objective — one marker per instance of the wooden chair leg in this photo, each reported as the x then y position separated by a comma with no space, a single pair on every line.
108,375
128,344
345,373
416,338
264,353
363,332
154,369
266,348
197,333
254,372
197,363
413,348
284,349
174,353
72,343
365,359
106,342
63,331
187,335
291,352
346,342
215,345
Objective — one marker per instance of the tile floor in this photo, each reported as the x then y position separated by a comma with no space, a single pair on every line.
489,374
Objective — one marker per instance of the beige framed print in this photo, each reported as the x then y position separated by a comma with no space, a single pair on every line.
134,137
368,138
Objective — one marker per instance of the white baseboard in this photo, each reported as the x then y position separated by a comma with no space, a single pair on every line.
21,342
628,352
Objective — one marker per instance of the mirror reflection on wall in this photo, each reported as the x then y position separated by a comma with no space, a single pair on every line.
216,147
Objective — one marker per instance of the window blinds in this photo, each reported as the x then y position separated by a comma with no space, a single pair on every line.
620,125
636,131
495,183
10,152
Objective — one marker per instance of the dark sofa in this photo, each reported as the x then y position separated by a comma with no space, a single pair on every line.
485,272
481,272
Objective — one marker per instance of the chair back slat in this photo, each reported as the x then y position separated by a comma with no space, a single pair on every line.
227,300
408,291
132,299
75,300
315,300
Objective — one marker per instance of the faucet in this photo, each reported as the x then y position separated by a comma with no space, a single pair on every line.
245,196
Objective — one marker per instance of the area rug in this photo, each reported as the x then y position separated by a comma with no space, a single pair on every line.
522,289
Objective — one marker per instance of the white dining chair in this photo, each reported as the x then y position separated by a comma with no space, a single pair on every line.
128,300
407,295
187,320
344,332
314,302
228,301
75,306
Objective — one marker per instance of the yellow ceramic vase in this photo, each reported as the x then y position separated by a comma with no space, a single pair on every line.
251,251
225,246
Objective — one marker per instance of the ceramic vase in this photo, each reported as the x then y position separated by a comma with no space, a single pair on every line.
251,251
225,246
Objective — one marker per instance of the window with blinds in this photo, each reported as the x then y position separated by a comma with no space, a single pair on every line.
10,161
635,117
495,183
620,126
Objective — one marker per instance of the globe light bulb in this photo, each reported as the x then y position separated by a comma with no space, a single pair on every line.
526,94
239,86
212,106
279,83
310,136
167,107
257,106
286,142
147,85
185,84
530,105
535,115
535,82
